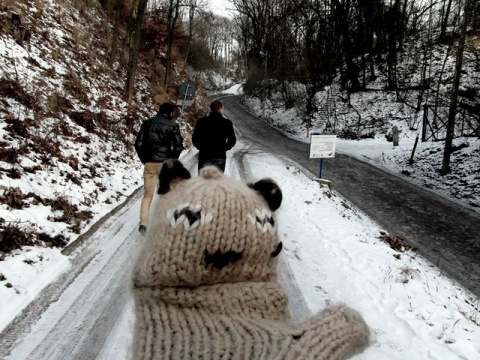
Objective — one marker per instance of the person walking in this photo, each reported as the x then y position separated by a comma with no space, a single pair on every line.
157,140
213,136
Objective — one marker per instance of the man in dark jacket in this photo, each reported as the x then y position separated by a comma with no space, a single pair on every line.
159,139
213,136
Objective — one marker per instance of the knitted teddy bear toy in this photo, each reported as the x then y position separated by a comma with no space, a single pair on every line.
205,282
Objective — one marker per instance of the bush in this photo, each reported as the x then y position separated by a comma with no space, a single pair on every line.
348,134
200,59
13,238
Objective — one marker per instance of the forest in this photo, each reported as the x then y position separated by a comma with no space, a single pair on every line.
81,75
409,44
417,49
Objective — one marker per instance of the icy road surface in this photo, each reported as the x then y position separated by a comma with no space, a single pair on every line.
84,313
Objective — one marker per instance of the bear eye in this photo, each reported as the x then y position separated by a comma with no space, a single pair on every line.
263,219
191,216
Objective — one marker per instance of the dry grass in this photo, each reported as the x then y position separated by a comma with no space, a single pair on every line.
15,235
397,242
73,85
13,89
52,107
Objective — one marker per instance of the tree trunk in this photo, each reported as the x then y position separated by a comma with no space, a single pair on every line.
173,12
393,34
133,53
108,6
342,14
452,112
116,29
445,16
402,25
191,13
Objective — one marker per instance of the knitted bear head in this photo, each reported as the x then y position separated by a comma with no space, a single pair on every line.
209,229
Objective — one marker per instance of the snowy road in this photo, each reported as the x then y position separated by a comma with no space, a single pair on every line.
84,314
444,232
77,313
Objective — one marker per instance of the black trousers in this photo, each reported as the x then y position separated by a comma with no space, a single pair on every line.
204,161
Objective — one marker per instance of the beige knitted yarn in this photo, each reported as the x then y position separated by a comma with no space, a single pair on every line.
205,282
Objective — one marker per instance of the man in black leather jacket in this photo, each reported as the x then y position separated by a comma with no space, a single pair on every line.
158,139
213,136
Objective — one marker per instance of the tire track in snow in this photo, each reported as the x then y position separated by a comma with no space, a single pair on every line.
77,323
83,313
95,313
297,305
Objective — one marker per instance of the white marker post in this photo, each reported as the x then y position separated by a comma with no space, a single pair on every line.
322,146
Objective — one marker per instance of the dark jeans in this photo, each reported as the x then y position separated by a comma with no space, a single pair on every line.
219,163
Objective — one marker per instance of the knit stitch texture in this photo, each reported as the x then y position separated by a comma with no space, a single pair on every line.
205,282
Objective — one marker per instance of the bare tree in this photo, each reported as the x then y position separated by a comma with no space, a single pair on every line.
259,21
133,53
192,7
205,43
173,13
107,5
452,112
118,7
446,8
341,11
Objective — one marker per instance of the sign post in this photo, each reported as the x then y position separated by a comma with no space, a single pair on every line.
322,146
187,93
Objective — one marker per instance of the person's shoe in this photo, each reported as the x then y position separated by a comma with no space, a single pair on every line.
142,229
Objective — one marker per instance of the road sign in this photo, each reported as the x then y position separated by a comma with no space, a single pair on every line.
181,102
186,91
322,146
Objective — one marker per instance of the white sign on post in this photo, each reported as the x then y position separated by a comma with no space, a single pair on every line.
322,146
187,93
181,102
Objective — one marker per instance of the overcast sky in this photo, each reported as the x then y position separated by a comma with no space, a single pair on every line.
221,7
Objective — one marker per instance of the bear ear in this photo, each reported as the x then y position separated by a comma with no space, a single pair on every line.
270,192
171,174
